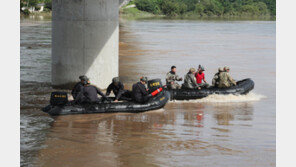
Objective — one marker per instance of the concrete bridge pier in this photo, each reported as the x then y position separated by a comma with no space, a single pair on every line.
84,41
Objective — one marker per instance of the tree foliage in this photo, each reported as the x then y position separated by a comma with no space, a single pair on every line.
208,7
151,6
34,3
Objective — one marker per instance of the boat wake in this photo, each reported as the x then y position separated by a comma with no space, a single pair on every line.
215,98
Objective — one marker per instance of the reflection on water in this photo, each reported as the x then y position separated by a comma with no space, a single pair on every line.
193,131
215,131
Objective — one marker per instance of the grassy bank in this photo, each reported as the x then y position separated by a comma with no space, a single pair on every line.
45,13
134,13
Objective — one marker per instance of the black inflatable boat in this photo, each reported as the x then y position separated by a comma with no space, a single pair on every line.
59,104
108,107
242,87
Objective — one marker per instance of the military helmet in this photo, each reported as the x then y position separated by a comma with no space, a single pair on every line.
201,67
83,78
192,70
220,69
115,80
226,68
144,79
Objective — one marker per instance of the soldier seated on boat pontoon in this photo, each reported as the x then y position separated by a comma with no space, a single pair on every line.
78,86
190,80
89,93
172,78
216,79
226,80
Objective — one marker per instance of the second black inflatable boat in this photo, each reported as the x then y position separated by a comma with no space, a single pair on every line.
243,87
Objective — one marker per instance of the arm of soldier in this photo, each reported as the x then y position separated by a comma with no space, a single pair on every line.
179,78
119,94
195,83
231,79
169,79
121,86
204,79
143,91
101,93
108,90
121,91
214,79
78,97
193,80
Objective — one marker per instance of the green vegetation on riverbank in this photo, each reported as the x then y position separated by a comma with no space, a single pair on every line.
194,9
178,9
134,13
28,7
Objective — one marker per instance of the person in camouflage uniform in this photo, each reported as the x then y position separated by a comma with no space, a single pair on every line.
215,81
190,80
226,80
172,77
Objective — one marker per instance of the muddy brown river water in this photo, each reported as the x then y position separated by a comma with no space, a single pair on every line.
215,131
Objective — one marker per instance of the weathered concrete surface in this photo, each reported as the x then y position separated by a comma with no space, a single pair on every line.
84,41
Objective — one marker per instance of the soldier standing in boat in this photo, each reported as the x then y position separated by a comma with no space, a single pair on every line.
172,78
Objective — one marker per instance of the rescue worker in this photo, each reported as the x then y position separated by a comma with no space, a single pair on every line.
190,80
89,93
215,80
200,76
78,86
226,80
172,77
118,89
139,91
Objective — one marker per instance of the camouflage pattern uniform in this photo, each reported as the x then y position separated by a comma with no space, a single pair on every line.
190,81
204,85
226,80
173,77
215,81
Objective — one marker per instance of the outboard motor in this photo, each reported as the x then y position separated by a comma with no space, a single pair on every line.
154,84
58,98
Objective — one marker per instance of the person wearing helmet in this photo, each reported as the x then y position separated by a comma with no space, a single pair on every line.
172,78
89,93
200,76
190,80
118,89
78,86
215,81
226,80
139,91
